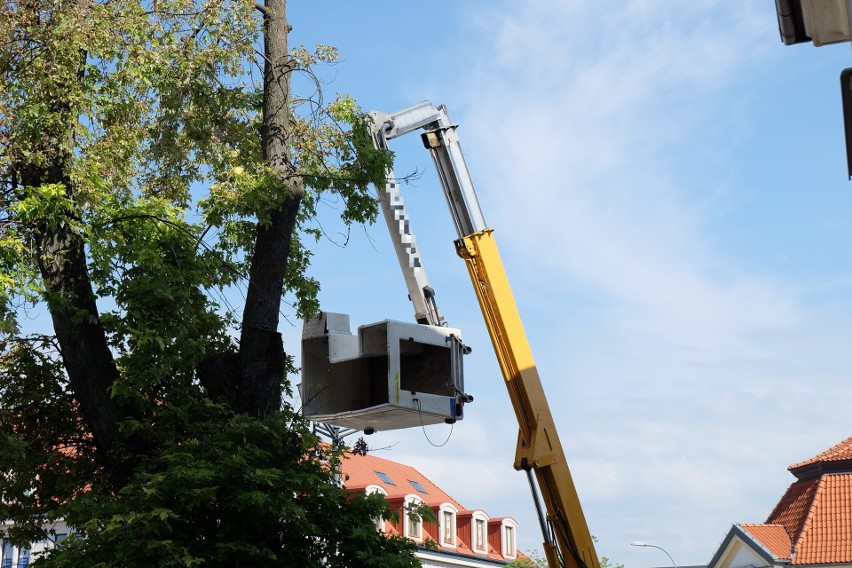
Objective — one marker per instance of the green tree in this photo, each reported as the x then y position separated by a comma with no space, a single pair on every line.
152,158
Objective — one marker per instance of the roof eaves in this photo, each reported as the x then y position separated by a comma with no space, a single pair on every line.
841,452
819,468
441,554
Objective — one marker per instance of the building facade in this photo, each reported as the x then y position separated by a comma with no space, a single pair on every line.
20,557
459,536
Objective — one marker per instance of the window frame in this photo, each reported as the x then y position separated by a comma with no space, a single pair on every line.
509,532
8,554
369,490
384,478
448,511
479,519
24,557
409,528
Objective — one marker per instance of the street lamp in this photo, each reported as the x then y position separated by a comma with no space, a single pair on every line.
645,544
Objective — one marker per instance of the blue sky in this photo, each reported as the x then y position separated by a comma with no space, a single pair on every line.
667,182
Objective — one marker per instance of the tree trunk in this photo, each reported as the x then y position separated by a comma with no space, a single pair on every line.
261,352
71,301
63,266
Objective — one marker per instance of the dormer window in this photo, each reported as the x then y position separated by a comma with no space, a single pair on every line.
479,529
508,538
447,519
413,523
369,490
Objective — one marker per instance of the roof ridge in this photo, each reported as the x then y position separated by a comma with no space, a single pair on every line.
839,452
396,465
351,454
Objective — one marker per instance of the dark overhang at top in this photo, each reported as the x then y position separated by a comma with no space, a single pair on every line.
819,21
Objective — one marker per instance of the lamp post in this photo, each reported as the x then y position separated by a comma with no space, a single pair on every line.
645,544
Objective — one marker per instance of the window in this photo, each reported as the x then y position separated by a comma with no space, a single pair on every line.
509,546
380,522
413,522
479,528
415,526
479,535
449,534
23,557
447,520
384,477
8,551
417,486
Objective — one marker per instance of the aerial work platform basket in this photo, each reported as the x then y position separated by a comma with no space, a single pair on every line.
388,376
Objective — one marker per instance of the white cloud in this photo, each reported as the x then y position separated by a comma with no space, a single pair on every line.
576,115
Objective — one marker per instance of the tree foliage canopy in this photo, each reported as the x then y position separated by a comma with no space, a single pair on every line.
153,161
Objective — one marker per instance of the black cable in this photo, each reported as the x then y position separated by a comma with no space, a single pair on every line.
423,427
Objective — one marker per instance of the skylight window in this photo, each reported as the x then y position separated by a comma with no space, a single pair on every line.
417,486
384,477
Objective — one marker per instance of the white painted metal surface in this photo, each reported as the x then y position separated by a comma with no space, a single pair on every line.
390,375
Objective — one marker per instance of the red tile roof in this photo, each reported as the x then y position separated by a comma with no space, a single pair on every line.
826,535
791,512
773,537
840,452
815,513
361,472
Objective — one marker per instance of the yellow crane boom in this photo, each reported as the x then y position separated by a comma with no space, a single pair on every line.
539,449
567,540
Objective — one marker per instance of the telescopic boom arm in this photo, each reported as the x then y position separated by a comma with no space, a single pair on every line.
567,540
